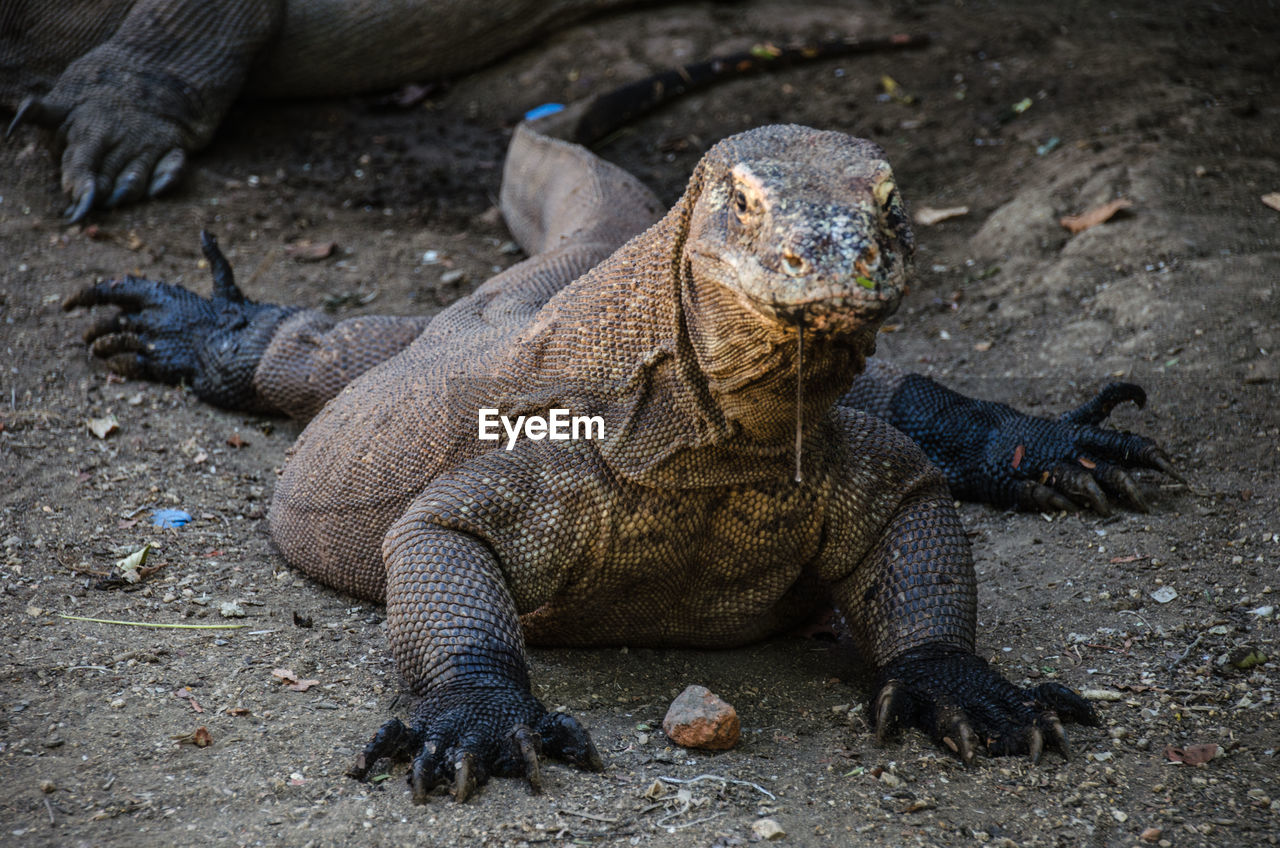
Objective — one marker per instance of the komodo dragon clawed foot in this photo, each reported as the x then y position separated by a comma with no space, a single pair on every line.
122,139
168,334
463,737
959,700
992,452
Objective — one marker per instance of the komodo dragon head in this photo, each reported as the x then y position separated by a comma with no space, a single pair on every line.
797,248
806,227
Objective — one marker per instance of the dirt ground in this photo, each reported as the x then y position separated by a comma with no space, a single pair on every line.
1023,112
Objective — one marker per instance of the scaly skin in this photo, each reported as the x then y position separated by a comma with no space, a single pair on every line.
686,524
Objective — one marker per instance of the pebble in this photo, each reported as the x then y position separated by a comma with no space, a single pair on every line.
891,780
699,719
448,278
767,829
231,609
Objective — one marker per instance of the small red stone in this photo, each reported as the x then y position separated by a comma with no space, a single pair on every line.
699,719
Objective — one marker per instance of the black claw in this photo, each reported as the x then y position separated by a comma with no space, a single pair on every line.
1159,460
1057,735
1078,484
127,188
224,280
1034,496
1095,411
21,114
465,777
393,741
83,202
1120,485
885,710
529,746
167,171
36,111
1035,745
564,737
426,773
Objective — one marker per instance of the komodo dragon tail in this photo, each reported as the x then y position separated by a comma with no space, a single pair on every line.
589,121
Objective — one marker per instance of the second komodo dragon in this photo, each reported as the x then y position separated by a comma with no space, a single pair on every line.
751,472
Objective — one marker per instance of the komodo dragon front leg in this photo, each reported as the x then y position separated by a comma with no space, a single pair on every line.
734,490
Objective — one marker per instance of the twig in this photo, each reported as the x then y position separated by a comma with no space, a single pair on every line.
49,808
129,515
700,777
87,668
581,815
1138,616
152,624
662,821
1174,664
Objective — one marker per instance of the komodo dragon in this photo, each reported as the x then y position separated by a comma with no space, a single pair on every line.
133,85
722,345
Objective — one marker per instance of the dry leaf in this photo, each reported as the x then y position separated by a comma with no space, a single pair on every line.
918,805
1130,558
308,251
1192,755
1272,200
927,216
130,567
239,711
103,427
200,737
236,441
285,675
1018,453
1095,216
288,678
1087,463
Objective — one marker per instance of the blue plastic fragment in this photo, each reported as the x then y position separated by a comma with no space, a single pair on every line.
169,517
543,111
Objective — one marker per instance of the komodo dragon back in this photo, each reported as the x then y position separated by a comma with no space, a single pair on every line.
387,434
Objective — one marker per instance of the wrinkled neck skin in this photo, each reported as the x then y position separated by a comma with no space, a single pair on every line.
749,362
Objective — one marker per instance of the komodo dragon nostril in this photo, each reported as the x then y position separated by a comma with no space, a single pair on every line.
866,265
793,264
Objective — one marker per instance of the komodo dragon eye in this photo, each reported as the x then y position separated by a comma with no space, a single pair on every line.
740,201
883,192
